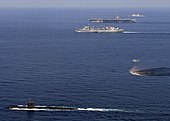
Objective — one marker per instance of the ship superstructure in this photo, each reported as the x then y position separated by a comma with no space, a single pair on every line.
117,19
99,30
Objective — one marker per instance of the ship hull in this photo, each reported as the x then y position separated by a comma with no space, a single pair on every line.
114,21
41,108
100,31
152,72
118,21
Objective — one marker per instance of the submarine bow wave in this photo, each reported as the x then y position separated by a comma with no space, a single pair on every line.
163,71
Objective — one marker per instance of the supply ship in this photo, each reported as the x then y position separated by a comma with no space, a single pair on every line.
117,19
106,29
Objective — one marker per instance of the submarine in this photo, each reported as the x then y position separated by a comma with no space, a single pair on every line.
31,107
163,71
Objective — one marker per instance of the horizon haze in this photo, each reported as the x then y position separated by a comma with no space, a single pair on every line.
84,4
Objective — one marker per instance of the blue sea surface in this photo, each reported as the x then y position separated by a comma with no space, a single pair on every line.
43,58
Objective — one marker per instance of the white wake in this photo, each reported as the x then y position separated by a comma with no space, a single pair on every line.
132,32
76,109
102,110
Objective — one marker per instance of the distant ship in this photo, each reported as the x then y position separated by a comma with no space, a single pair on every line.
136,15
107,29
31,107
115,20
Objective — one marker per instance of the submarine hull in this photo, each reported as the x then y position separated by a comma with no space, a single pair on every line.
40,108
152,72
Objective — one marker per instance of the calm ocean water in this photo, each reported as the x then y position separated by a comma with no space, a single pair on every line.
41,57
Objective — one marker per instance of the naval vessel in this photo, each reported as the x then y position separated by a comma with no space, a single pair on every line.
163,71
107,29
31,107
136,15
117,19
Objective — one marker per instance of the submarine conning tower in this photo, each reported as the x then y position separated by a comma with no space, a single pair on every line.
30,104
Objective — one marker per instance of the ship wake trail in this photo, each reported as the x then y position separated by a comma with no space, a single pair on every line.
132,32
163,71
104,110
64,108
